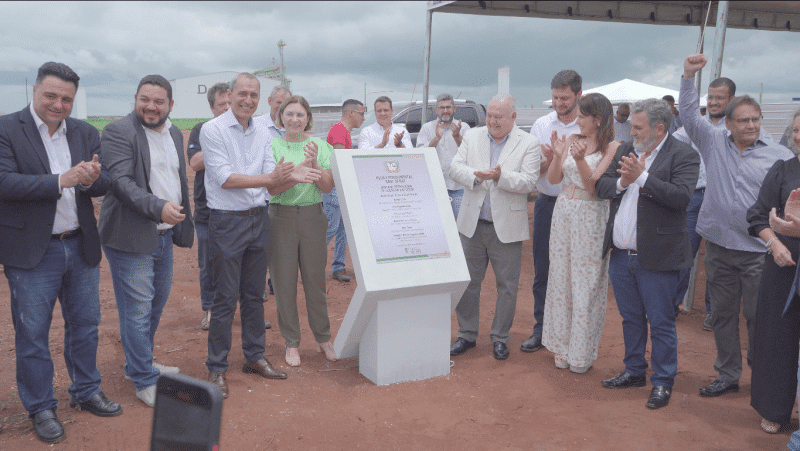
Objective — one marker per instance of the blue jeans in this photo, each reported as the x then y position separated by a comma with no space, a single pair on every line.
646,296
206,289
330,203
542,217
61,274
142,284
455,200
692,211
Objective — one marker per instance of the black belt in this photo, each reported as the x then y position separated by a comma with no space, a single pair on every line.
251,212
627,251
547,198
66,235
163,231
485,221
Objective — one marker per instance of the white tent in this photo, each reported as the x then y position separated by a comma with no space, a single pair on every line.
627,90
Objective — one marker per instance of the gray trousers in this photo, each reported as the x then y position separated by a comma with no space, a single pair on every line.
506,258
238,256
733,280
298,239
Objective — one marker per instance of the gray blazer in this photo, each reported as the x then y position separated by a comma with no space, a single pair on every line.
130,212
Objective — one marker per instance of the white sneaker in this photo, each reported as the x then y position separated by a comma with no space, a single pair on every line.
163,369
147,395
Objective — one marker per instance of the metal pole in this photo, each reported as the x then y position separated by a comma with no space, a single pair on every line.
700,44
719,37
427,66
281,44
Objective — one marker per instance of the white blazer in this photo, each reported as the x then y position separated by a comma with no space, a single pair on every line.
519,163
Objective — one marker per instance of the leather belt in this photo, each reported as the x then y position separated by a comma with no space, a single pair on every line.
547,198
251,212
627,251
485,221
66,235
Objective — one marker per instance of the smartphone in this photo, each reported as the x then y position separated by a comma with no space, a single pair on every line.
187,414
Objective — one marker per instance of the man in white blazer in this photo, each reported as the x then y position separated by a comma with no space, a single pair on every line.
498,166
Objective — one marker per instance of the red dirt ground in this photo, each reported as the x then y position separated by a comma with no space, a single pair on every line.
520,403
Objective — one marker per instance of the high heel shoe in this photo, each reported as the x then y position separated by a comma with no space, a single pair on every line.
292,357
770,427
327,348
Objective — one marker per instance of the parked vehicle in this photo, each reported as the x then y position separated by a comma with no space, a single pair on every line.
467,111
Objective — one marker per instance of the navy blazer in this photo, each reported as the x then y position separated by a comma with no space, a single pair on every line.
131,212
29,191
662,235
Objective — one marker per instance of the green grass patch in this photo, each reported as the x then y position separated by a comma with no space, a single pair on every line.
183,124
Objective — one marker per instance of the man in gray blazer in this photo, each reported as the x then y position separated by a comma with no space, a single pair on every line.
146,212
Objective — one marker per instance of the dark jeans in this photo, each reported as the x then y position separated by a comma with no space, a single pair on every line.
238,255
61,274
646,297
206,291
542,217
692,211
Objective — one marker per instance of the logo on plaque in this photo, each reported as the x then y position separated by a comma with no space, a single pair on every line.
392,166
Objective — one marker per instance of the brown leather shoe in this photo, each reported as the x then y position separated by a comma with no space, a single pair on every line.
263,368
218,379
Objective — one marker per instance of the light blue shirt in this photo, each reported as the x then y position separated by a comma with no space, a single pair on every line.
733,177
495,150
229,149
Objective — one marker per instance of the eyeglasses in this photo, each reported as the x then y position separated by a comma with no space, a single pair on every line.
360,112
447,107
746,120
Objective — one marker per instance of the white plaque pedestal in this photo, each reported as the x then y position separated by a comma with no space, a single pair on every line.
398,321
404,340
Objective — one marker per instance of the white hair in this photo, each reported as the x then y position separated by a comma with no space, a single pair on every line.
506,98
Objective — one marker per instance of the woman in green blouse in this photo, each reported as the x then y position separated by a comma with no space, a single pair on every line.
297,231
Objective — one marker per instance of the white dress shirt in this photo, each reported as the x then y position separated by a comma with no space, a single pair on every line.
373,135
542,129
273,129
165,183
229,149
627,215
60,161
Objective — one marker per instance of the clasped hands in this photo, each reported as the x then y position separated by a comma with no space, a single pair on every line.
398,137
85,173
309,171
491,174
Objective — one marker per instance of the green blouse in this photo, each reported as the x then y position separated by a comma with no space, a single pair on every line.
302,194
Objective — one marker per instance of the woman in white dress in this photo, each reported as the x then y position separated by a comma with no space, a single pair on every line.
577,287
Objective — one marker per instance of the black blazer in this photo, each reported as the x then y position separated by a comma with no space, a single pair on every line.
662,236
29,192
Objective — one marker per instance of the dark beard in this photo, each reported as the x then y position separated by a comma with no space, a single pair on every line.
153,126
717,116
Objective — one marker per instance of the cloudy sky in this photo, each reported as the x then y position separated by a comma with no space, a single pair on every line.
335,48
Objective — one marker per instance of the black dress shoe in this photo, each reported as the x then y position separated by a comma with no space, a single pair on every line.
659,397
500,350
532,344
263,368
625,380
718,388
98,405
48,427
461,346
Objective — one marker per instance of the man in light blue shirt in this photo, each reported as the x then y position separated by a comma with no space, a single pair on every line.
737,160
239,169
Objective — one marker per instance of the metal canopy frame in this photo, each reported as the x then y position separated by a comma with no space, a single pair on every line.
762,15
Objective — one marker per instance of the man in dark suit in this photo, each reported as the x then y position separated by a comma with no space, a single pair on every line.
49,246
146,212
650,183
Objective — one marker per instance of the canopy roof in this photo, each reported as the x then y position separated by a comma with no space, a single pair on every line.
627,90
762,15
